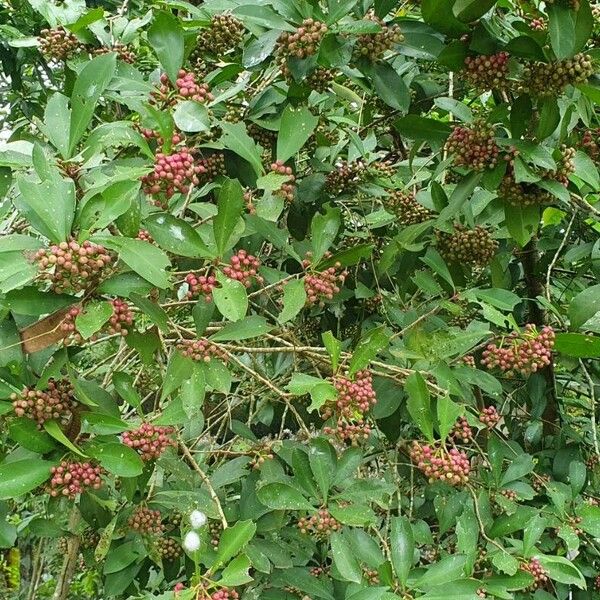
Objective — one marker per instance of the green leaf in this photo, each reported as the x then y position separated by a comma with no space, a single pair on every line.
178,371
520,465
192,393
343,558
57,123
355,515
22,476
230,205
281,496
336,9
562,570
124,385
152,310
447,413
421,128
522,222
390,87
25,432
53,429
448,569
231,299
49,205
232,540
532,533
34,302
577,345
294,299
118,459
146,260
419,404
176,235
324,229
249,327
191,116
236,573
297,125
89,86
236,138
468,11
439,14
549,118
165,36
584,306
402,547
569,29
367,349
334,348
92,319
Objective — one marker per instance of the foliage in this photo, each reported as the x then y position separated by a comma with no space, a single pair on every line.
300,300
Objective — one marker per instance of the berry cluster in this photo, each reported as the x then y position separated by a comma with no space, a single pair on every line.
468,360
121,319
509,495
169,548
374,45
72,267
201,350
322,285
263,137
149,441
72,478
538,24
215,530
243,267
487,72
172,172
473,146
345,178
522,194
490,417
474,247
55,402
406,208
521,353
123,52
550,79
150,134
248,201
58,43
185,88
144,235
224,594
320,79
200,285
597,583
213,165
590,141
353,433
540,575
565,165
304,41
320,525
263,453
224,33
451,466
354,396
462,431
146,521
287,189
371,576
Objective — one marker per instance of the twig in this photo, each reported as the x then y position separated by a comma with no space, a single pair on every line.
206,481
557,254
70,561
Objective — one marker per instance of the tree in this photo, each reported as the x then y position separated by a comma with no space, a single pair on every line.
300,300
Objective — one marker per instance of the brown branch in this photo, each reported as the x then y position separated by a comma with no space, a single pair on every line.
70,561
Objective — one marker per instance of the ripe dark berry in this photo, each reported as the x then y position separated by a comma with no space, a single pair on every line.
149,441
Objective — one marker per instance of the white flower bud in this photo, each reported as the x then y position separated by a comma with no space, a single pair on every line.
197,519
191,541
